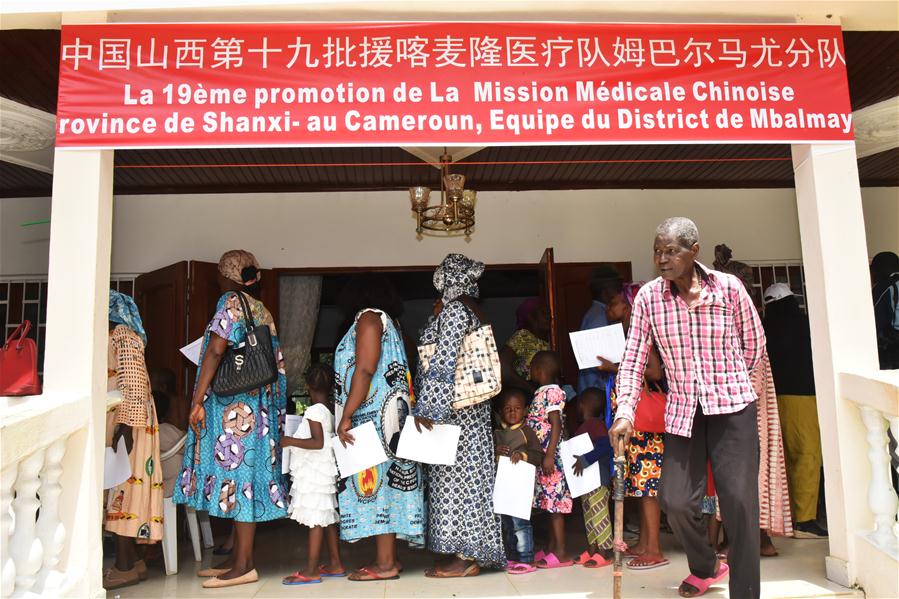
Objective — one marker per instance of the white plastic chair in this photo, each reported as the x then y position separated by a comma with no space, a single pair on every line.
195,524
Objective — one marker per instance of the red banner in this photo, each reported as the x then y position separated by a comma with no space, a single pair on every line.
294,84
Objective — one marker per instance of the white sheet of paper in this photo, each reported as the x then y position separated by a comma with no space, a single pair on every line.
296,427
116,465
436,446
365,452
191,351
606,342
589,480
513,491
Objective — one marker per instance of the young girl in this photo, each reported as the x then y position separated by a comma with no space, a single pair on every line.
314,472
551,495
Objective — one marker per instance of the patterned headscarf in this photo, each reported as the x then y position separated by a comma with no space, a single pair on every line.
123,310
458,275
629,291
240,266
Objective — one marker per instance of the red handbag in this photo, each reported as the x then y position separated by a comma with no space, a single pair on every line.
18,364
650,416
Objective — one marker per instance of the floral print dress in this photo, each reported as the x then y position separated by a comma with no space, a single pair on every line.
233,468
551,493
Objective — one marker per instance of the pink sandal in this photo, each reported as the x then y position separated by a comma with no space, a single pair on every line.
702,584
582,558
550,562
598,561
520,568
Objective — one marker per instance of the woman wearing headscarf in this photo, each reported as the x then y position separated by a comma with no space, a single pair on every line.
461,522
531,336
232,459
134,508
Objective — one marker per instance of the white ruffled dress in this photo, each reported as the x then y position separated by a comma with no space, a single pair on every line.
313,494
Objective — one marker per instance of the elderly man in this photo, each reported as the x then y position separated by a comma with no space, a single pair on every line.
710,337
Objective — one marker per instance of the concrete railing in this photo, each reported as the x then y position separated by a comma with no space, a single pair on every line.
877,399
45,443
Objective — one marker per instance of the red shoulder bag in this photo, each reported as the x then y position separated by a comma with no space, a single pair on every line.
18,364
650,416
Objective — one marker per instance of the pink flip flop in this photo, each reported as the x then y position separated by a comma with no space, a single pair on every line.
520,568
702,584
550,562
639,563
539,555
582,558
598,561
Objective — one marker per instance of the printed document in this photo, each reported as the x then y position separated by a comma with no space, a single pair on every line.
589,480
116,465
191,351
605,342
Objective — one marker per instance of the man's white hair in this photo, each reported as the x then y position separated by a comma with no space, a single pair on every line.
681,228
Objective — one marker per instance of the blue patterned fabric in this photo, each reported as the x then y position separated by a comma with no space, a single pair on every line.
460,497
123,310
387,498
233,470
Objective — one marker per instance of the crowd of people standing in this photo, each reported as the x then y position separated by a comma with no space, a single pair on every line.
694,337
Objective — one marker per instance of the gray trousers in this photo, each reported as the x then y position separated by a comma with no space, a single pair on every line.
731,442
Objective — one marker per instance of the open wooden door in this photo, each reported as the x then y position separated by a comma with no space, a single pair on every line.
160,297
573,299
548,291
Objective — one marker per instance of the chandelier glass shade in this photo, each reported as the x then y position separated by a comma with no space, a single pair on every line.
454,215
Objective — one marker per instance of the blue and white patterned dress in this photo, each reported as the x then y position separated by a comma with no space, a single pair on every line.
233,470
460,497
387,498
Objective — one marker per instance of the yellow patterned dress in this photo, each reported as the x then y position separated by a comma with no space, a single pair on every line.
134,508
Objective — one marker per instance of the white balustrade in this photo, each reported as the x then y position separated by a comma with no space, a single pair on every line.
8,578
50,529
27,551
881,495
34,544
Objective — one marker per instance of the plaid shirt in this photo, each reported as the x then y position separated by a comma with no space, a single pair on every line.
708,349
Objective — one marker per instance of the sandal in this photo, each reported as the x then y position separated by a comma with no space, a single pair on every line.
582,558
597,561
473,569
550,562
640,563
323,571
702,584
297,578
520,568
539,556
369,575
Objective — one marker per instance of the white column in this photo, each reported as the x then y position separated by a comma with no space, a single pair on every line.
834,254
76,353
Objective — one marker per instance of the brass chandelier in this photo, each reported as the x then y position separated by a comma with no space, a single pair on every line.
454,215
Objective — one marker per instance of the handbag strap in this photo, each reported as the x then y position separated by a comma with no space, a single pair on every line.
249,323
21,332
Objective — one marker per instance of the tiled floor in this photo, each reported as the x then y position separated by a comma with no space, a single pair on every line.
797,572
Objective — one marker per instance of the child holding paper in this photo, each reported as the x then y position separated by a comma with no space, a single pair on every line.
314,472
517,441
591,406
546,417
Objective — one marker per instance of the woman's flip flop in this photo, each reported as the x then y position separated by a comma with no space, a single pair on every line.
369,576
550,561
702,584
597,561
539,556
297,578
473,569
323,571
520,568
582,559
640,563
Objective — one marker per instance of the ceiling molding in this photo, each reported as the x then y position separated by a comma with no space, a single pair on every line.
27,135
876,127
432,155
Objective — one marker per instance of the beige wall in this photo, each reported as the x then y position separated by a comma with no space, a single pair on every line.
360,229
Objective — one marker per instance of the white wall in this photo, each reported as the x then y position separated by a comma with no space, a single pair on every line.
367,229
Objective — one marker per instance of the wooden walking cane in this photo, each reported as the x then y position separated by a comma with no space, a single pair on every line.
618,496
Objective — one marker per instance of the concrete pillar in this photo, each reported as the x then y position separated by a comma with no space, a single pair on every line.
834,254
76,352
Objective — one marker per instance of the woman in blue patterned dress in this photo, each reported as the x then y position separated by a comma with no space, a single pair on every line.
461,522
372,384
232,463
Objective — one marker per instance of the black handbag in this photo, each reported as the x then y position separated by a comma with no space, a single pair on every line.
249,366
